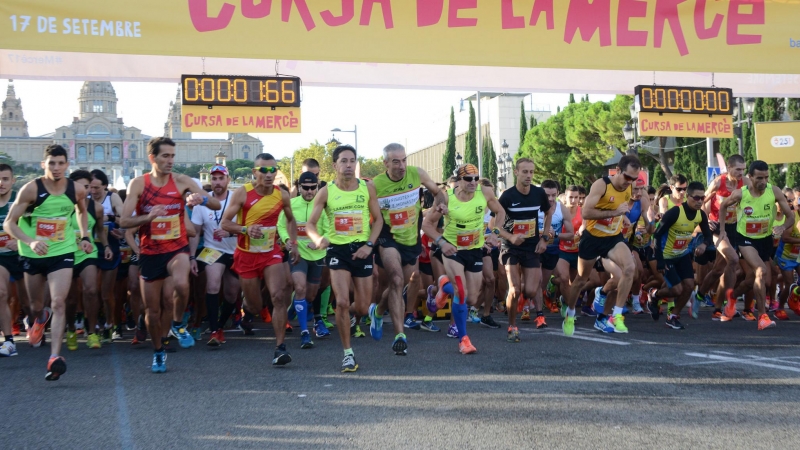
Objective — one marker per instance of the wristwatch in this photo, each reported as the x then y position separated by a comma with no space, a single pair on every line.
546,238
369,244
244,230
496,231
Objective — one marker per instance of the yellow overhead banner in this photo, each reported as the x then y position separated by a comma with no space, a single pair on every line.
778,142
240,119
685,125
664,35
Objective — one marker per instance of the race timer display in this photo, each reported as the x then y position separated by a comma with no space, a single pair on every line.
219,90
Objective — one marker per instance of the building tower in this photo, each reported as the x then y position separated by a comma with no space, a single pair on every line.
221,158
98,99
172,128
12,122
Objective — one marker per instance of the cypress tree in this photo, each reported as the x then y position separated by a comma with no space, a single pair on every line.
449,157
471,148
523,124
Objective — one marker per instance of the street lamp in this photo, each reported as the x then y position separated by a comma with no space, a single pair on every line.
458,159
354,131
748,105
630,132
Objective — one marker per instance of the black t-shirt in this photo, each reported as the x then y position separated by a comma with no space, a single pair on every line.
521,207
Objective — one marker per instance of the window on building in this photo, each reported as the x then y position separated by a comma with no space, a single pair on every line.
115,154
97,106
63,135
98,129
133,154
132,136
10,115
81,154
99,153
132,151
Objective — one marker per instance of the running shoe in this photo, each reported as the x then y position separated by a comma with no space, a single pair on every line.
159,362
410,322
672,322
349,363
781,315
764,322
748,316
106,337
116,335
93,341
358,333
696,301
214,341
466,347
167,347
246,325
430,301
305,340
400,345
376,326
196,334
282,357
568,326
15,329
36,332
72,341
618,322
652,304
487,321
327,324
540,322
452,331
130,322
794,298
221,336
717,315
599,303
139,336
266,317
79,325
554,306
603,325
587,310
563,309
56,367
708,301
772,305
473,315
320,330
637,308
289,328
513,334
8,348
429,326
730,307
526,315
185,340
441,296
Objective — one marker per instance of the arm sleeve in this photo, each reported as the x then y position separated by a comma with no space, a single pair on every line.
708,237
669,219
544,201
282,232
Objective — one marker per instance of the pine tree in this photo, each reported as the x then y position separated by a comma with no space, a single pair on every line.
690,159
449,157
571,98
523,124
534,122
471,147
489,161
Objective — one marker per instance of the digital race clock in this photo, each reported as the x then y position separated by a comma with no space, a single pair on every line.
216,90
677,99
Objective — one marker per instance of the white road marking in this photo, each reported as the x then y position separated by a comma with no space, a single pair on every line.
751,362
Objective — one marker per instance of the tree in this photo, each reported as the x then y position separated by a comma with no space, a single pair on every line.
192,171
370,168
523,123
489,161
534,122
793,169
471,147
690,158
571,99
449,157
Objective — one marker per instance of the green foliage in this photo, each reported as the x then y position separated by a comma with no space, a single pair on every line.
370,168
192,171
449,157
534,122
489,160
691,161
793,169
523,124
571,98
471,147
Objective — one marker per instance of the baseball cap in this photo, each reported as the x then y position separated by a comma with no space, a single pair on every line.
219,168
308,178
641,181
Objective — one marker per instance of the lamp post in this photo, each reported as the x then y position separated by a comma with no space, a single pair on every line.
459,158
503,164
630,133
354,131
747,105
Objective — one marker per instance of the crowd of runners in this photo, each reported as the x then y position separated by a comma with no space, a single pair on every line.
176,262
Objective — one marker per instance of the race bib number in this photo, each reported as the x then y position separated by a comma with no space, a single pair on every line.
680,244
402,218
609,226
125,254
166,228
348,223
526,228
266,243
794,250
467,239
756,226
51,229
730,215
571,245
105,231
302,233
5,238
209,256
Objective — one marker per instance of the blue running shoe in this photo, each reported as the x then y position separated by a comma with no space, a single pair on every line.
321,331
603,325
708,301
376,323
452,332
586,310
696,301
305,340
624,310
196,334
430,302
429,326
599,301
184,338
400,345
159,362
410,322
473,316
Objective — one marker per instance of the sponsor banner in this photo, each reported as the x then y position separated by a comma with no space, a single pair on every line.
778,142
72,150
685,125
125,149
239,119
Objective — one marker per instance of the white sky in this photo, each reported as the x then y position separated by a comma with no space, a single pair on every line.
414,118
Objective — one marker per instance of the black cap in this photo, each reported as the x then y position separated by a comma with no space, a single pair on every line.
308,178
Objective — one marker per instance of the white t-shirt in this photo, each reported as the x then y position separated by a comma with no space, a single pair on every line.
210,220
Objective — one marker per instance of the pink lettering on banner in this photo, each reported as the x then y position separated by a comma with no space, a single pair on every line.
588,18
667,11
253,11
386,6
302,8
736,18
546,7
348,12
198,12
453,21
509,19
71,149
625,36
700,21
429,12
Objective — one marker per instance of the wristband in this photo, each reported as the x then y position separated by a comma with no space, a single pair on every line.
205,201
436,241
192,258
86,239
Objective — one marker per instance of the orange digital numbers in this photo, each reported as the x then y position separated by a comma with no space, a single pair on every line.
213,90
676,99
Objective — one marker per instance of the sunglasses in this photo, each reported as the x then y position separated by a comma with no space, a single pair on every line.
697,198
680,189
308,188
629,178
470,179
264,169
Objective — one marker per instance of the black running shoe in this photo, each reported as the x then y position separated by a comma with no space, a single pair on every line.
400,345
247,327
487,321
652,305
673,323
282,357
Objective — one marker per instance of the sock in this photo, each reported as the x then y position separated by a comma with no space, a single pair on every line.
212,306
539,313
603,293
617,310
301,307
348,351
142,323
225,314
177,324
325,299
460,316
448,289
570,312
670,305
9,338
158,350
635,298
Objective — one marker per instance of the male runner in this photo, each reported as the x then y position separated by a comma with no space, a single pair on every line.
677,186
157,199
754,230
47,247
309,165
9,261
399,243
604,213
787,258
307,270
348,202
256,207
462,241
560,223
216,258
568,246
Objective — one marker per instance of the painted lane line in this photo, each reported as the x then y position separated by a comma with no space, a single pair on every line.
750,362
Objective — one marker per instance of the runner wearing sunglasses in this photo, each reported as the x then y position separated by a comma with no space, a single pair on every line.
677,186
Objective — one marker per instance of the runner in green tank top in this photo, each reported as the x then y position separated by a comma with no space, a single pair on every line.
462,242
399,245
39,220
349,203
756,213
677,187
9,260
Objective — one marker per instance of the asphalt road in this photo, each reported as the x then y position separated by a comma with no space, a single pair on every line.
713,385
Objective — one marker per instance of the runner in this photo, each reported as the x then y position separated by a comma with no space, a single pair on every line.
604,213
787,257
677,187
398,191
674,249
462,242
9,261
157,199
567,266
348,202
216,258
549,281
309,165
256,206
756,213
639,215
40,220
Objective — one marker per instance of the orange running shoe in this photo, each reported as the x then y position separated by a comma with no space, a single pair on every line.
748,315
441,295
15,330
794,299
36,334
221,336
289,328
730,307
716,316
521,303
540,322
266,317
466,347
526,315
55,368
214,341
781,315
764,322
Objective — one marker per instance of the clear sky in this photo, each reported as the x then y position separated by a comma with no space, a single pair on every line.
414,118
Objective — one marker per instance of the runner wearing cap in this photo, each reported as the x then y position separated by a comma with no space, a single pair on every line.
216,258
9,261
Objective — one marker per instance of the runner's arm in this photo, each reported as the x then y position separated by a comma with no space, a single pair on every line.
291,223
711,192
235,205
708,236
787,234
375,212
311,225
569,232
440,196
99,226
430,222
130,238
788,212
282,233
191,231
194,241
116,206
649,215
25,198
128,220
201,197
81,212
669,219
590,211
